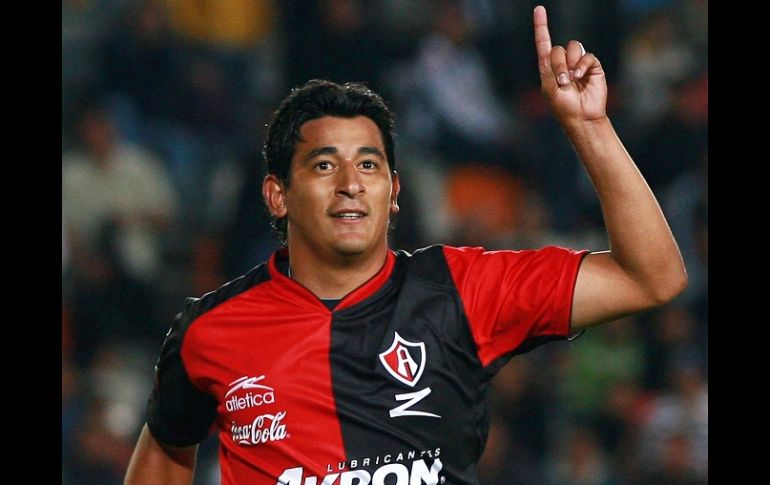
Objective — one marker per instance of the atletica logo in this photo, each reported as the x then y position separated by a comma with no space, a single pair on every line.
399,360
264,428
251,399
392,473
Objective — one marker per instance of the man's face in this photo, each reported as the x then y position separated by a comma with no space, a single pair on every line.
341,193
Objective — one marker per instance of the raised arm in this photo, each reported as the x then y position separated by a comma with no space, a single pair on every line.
644,268
154,463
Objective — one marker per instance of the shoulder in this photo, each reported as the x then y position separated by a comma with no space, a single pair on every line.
428,263
196,307
438,253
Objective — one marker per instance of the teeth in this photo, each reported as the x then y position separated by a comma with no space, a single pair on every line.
349,215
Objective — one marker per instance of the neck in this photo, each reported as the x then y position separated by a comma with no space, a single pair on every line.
333,278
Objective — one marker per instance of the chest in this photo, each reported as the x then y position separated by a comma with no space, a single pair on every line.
397,374
395,343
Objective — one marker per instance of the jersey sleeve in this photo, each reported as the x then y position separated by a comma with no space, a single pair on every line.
178,413
515,300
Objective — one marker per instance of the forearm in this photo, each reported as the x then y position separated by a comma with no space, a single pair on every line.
640,240
153,463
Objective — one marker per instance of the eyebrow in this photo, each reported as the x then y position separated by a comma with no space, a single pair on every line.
371,151
329,150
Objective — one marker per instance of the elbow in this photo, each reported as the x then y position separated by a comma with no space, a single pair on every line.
670,287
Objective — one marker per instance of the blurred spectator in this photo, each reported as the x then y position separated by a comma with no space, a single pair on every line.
117,202
229,46
549,163
655,59
248,237
675,331
337,40
100,409
424,188
520,402
602,357
693,17
581,460
224,24
484,204
684,127
110,185
65,251
148,110
618,420
503,461
143,43
673,446
98,456
73,402
598,24
535,227
449,102
84,27
685,203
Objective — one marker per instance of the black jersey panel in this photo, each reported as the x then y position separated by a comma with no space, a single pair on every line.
406,376
178,413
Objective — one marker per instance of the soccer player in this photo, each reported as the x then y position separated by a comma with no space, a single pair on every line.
342,361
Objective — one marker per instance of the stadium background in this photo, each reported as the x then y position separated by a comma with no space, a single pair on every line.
176,94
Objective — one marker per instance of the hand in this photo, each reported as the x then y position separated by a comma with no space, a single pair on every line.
572,80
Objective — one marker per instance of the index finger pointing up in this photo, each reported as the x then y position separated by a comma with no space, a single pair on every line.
542,36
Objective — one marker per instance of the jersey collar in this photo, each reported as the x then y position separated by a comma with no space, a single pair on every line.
354,297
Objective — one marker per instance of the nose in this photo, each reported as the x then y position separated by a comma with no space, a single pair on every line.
349,183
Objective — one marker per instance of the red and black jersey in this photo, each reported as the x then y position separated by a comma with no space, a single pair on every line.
388,387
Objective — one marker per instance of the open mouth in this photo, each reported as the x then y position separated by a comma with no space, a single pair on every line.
350,216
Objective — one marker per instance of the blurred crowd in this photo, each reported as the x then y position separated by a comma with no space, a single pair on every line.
164,105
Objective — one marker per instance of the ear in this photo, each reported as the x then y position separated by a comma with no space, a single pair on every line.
275,196
394,193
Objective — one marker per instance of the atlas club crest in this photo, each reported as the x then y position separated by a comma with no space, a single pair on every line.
404,360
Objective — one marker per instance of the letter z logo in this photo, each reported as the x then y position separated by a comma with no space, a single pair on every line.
405,361
413,398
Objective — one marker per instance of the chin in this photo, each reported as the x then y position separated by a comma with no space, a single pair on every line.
352,245
350,249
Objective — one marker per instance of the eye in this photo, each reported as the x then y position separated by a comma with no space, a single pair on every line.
323,165
368,164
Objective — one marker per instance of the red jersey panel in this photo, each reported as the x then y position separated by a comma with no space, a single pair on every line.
522,294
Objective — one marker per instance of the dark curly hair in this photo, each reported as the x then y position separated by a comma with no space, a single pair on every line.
315,99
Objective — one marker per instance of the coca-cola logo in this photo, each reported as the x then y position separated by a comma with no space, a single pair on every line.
264,428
